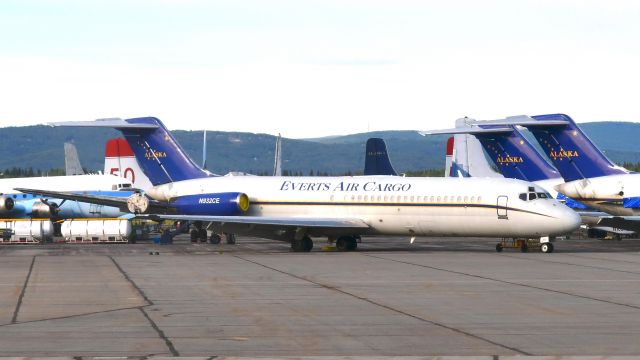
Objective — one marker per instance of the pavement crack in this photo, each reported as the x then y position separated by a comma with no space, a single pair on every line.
14,319
387,307
155,327
135,286
510,282
161,333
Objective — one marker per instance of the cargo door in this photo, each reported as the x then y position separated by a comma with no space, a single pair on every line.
501,207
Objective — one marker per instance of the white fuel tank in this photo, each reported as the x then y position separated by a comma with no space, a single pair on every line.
96,230
26,231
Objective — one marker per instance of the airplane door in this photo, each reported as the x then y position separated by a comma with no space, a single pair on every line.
501,207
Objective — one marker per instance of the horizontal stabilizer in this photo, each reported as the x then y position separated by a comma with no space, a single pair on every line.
524,120
115,123
472,130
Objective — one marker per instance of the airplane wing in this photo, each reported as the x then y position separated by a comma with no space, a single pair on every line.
305,222
107,200
158,211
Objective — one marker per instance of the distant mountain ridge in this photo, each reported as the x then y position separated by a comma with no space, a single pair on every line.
41,148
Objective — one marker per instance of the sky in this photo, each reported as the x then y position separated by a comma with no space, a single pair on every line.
310,68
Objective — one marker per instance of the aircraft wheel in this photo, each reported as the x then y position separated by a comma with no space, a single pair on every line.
523,246
546,248
215,239
346,243
307,244
499,247
194,235
231,238
202,234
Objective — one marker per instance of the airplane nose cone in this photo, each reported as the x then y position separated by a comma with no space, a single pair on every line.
569,221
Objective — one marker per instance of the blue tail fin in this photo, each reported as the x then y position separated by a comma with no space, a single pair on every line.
572,152
157,152
516,157
161,157
377,159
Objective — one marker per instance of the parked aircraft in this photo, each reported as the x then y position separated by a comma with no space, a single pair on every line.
517,158
341,208
590,177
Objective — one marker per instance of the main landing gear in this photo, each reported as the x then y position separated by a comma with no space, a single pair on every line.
524,245
346,243
302,245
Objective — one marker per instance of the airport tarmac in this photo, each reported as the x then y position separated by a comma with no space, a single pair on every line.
435,297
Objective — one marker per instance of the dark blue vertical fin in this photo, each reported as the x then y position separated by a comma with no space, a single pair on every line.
515,156
571,151
160,156
377,159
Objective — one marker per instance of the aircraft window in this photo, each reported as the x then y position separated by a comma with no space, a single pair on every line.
523,197
466,199
15,196
392,198
353,198
532,196
331,197
473,198
542,195
126,185
114,187
445,198
359,197
406,198
438,199
459,199
419,199
479,198
379,198
366,198
24,196
411,199
386,198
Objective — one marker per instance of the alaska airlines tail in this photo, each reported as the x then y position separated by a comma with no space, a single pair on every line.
161,158
515,156
572,152
377,159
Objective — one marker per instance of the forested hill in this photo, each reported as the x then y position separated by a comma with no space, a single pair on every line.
41,148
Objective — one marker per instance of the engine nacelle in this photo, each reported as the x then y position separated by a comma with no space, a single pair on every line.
6,205
43,210
221,204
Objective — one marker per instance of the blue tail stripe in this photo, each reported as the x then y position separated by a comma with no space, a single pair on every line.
571,151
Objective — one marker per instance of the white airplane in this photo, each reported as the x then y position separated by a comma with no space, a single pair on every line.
341,208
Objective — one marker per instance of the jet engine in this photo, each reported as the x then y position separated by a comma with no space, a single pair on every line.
44,209
6,205
216,204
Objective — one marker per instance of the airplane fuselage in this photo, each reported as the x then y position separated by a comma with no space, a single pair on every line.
395,205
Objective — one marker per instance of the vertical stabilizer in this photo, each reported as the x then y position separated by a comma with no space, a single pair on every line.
71,160
570,150
277,161
119,160
377,159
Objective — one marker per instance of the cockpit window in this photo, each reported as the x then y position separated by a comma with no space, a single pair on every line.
523,197
542,195
532,196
